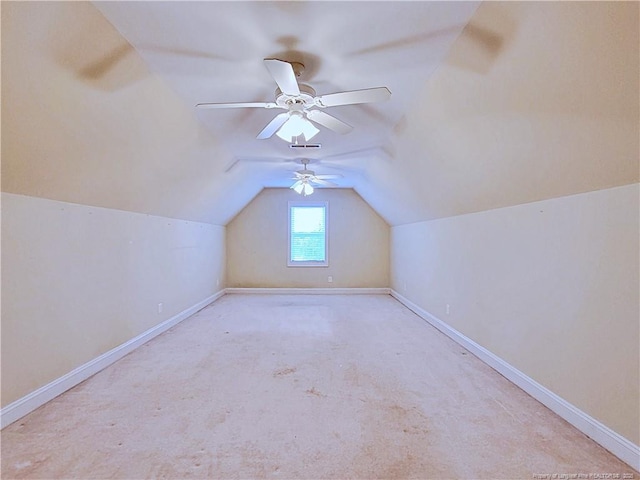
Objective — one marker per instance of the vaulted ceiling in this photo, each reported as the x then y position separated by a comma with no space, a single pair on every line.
493,104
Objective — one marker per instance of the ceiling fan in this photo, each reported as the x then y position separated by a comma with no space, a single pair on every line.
307,179
303,107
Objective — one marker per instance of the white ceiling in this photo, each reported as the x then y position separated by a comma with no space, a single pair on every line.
213,52
492,105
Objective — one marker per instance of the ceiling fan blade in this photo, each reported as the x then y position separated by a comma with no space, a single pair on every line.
238,105
329,177
319,181
273,126
283,74
369,95
331,122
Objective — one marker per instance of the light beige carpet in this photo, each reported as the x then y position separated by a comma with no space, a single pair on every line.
299,387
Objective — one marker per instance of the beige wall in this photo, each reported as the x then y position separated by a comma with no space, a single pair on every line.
257,243
551,287
78,281
85,121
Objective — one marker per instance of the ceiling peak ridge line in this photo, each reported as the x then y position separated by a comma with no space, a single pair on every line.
383,152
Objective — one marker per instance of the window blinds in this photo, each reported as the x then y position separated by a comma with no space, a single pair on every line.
308,234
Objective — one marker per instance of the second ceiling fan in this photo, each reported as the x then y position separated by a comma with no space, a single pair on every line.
303,107
307,179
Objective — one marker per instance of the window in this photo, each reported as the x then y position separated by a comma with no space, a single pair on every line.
308,245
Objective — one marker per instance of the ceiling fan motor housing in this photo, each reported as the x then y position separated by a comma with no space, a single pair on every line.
306,97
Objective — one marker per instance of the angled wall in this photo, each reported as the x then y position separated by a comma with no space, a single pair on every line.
85,121
535,100
257,243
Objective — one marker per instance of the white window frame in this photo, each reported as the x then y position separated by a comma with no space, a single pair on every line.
293,263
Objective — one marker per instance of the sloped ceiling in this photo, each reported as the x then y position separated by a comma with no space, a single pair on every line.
492,105
553,112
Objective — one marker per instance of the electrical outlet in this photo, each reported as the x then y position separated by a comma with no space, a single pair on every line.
160,306
448,309
217,282
330,279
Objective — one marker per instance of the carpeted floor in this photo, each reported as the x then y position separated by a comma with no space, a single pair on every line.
299,387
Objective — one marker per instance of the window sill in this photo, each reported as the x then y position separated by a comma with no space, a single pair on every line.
307,264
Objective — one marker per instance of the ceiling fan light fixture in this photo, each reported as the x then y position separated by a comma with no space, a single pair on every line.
296,126
307,189
302,187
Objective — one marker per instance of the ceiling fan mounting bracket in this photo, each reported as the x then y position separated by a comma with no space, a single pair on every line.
298,68
305,172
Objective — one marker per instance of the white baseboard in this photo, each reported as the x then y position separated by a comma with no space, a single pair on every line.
312,291
21,407
625,450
